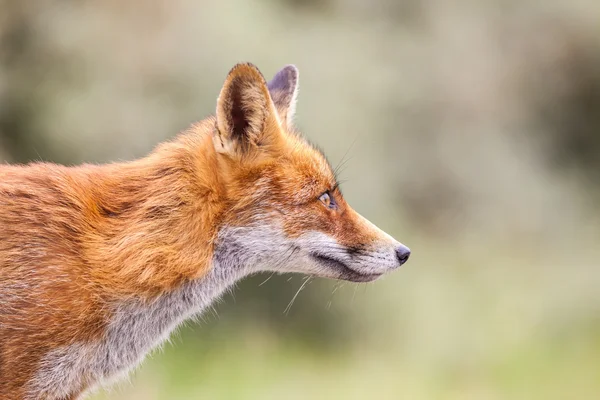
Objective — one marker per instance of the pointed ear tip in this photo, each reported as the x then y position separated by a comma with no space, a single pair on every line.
245,69
292,69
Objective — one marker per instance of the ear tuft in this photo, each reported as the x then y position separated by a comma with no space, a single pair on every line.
243,108
284,91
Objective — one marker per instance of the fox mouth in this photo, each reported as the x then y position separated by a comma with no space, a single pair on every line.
345,272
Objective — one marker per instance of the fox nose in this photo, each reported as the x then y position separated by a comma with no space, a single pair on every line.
402,253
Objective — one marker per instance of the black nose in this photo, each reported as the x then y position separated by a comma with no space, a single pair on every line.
402,253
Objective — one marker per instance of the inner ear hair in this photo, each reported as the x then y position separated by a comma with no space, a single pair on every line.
246,110
243,108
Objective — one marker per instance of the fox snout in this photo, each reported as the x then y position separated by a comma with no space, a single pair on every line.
355,250
380,254
369,264
362,263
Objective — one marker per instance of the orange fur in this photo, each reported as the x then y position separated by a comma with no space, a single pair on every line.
73,240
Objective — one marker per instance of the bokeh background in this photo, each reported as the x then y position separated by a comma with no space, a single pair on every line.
469,130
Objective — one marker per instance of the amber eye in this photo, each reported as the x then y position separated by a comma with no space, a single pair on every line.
328,200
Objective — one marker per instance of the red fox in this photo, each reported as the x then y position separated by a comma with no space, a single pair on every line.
99,263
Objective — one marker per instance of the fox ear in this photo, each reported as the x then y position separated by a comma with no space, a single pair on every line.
284,91
245,111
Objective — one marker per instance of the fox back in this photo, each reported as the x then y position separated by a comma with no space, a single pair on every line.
99,263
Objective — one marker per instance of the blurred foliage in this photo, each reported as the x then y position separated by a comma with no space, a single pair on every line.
572,114
468,130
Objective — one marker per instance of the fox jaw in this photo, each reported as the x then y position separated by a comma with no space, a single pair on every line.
288,213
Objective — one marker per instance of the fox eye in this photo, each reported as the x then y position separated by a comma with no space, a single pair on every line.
328,201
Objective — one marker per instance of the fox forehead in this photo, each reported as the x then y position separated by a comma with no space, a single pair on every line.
294,172
305,169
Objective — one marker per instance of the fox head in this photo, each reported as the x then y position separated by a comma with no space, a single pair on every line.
286,212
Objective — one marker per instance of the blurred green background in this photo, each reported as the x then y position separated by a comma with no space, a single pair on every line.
472,134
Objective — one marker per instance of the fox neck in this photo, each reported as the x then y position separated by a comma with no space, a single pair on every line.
155,220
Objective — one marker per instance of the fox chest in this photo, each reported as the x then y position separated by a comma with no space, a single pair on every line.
135,329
